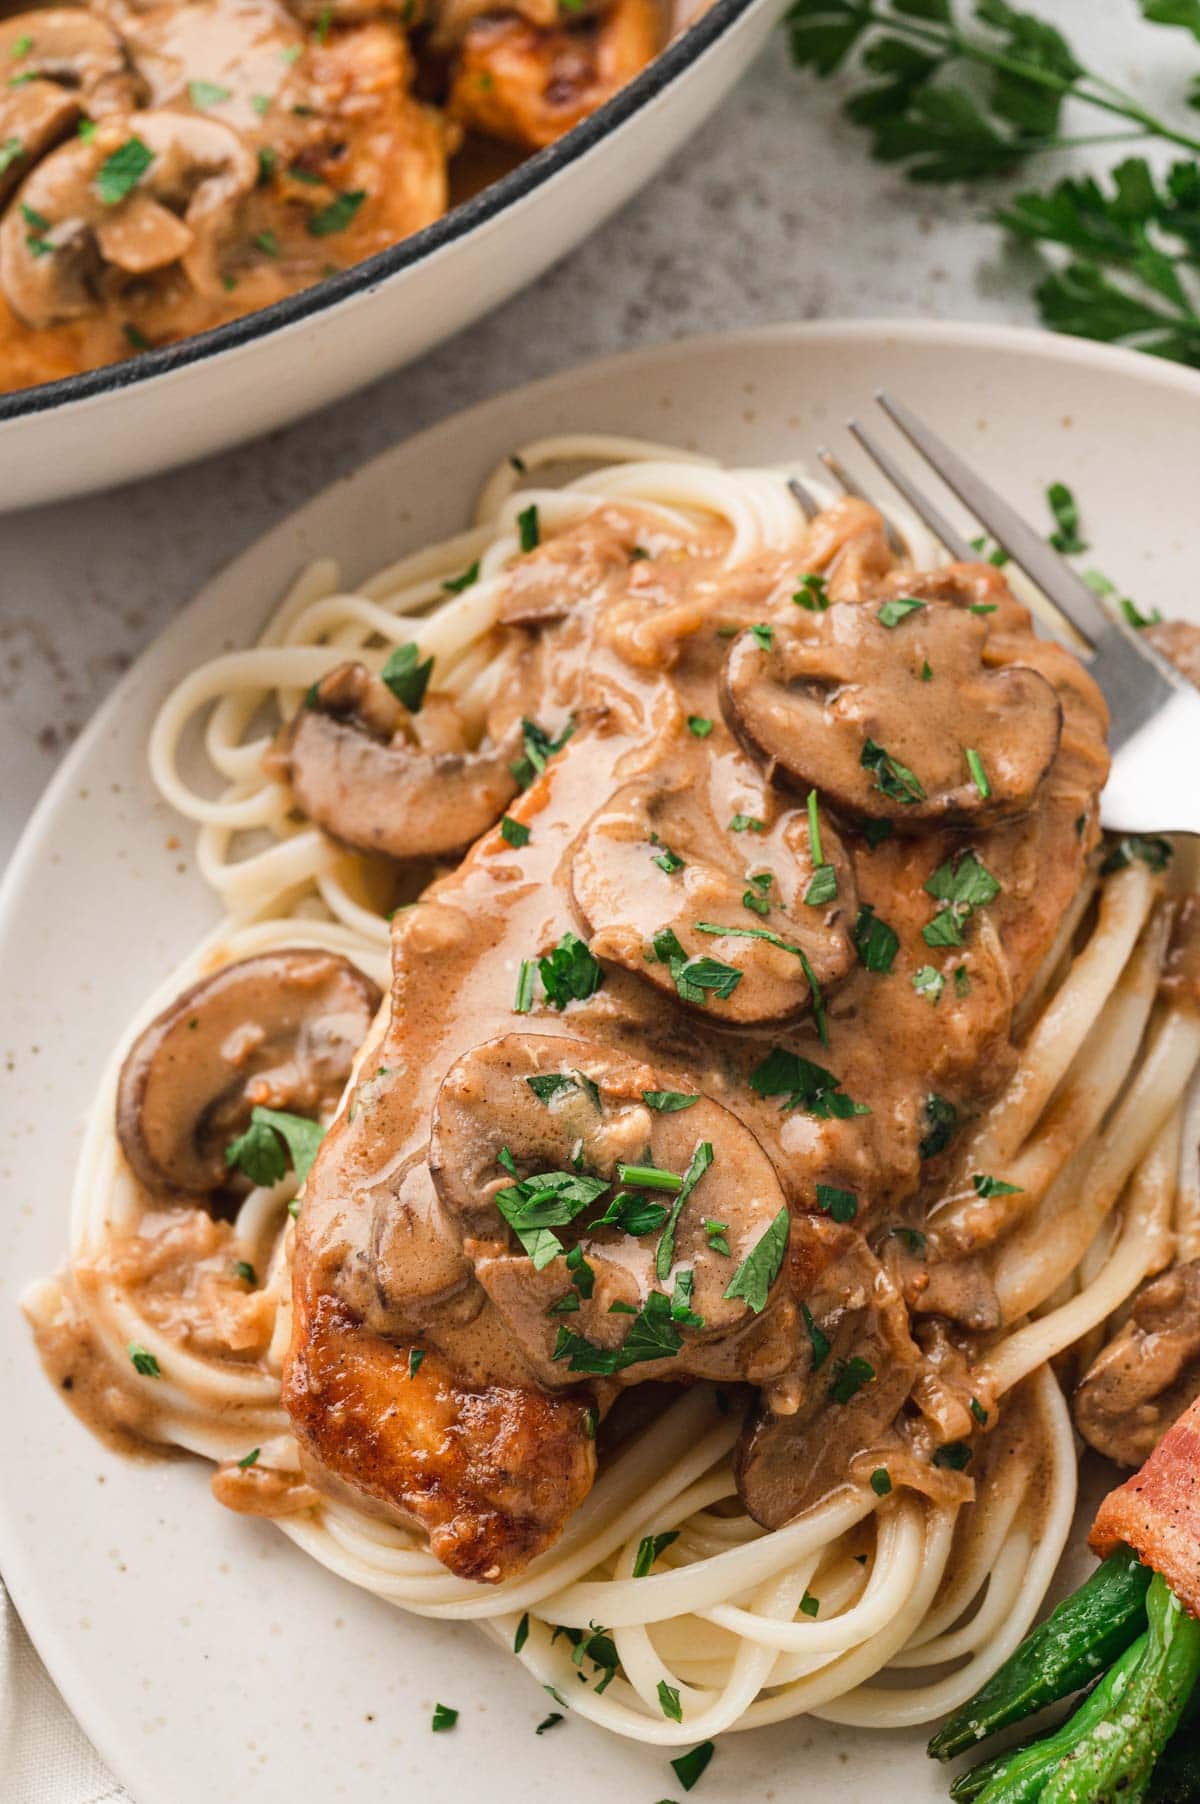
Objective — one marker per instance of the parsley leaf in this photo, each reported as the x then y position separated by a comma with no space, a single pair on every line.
539,747
144,1362
892,778
443,1718
691,1766
754,1277
1065,509
258,1153
1149,849
821,1348
514,833
804,1085
988,1186
668,1699
406,677
700,725
842,1205
337,215
875,942
942,1117
893,612
649,1548
850,1376
207,93
570,973
529,531
664,1257
120,173
667,1102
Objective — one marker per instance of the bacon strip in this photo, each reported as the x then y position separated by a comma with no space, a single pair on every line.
1157,1511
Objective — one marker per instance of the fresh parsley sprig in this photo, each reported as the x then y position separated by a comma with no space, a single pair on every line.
958,92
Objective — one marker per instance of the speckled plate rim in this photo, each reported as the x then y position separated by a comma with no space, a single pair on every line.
47,1483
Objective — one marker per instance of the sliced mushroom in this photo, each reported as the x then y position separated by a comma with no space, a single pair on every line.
840,701
570,1106
82,249
418,1268
787,1462
280,1030
356,771
653,870
528,85
1149,1375
61,62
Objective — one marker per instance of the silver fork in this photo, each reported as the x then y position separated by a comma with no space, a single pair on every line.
1154,786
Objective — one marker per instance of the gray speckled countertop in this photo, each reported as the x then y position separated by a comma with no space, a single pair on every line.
772,212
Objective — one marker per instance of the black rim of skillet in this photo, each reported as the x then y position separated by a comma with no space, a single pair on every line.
360,278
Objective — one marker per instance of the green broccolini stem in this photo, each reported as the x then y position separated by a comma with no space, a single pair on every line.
1076,1642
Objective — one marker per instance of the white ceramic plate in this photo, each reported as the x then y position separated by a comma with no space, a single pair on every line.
207,1659
188,400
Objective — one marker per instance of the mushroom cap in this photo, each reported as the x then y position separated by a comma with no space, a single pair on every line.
831,686
355,774
280,1030
625,897
1149,1374
180,211
787,1462
594,1119
65,62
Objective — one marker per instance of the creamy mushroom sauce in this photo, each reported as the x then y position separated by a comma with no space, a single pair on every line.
627,628
286,141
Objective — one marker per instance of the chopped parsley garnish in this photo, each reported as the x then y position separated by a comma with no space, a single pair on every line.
262,106
454,585
553,1083
1150,849
747,823
635,1217
942,1117
955,1455
926,671
120,173
809,1605
337,215
996,555
144,1362
804,1085
523,1000
988,1186
756,902
772,939
893,612
979,776
875,942
892,778
267,159
291,54
982,607
249,1459
548,1199
550,1722
583,1276
516,833
875,832
207,93
850,1376
668,861
22,80
1063,506
522,1634
10,151
812,593
754,1277
913,1238
962,981
267,243
694,977
21,47
823,887
652,1335
717,1235
929,982
1129,609
529,531
407,677
667,1102
881,1481
539,747
668,1700
821,1347
842,1205
245,1271
700,725
443,1718
764,634
567,1304
961,884
591,1421
681,1300
415,1356
649,1548
691,1766
979,1412
259,1154
324,21
570,973
702,1158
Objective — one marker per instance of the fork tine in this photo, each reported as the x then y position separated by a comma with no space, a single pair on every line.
1039,560
920,503
837,469
804,499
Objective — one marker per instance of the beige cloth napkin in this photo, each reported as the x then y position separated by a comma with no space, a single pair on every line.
45,1758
